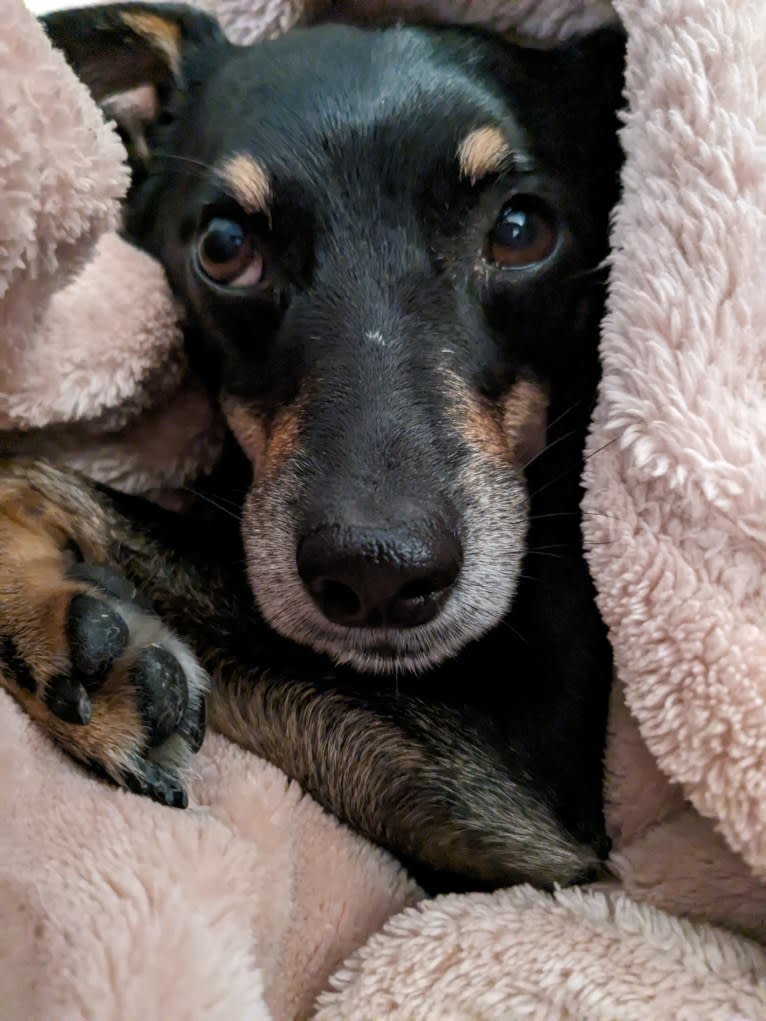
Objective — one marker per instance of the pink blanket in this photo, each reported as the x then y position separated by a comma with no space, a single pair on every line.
112,908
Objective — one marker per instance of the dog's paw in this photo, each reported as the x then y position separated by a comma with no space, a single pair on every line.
91,663
110,683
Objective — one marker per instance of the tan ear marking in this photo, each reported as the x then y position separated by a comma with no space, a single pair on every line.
248,181
163,35
483,151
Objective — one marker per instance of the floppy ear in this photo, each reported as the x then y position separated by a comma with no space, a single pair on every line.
600,58
596,72
582,80
131,56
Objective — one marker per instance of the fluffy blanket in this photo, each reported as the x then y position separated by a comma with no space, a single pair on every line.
113,908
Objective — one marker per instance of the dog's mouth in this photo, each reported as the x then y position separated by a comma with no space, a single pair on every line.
372,651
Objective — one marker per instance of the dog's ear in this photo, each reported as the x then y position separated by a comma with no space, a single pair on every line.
598,59
594,78
131,56
582,80
118,47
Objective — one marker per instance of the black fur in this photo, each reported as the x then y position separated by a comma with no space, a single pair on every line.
372,230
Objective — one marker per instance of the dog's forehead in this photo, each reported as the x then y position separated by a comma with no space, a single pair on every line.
399,92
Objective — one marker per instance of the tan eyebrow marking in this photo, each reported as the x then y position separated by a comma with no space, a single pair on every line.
483,151
248,181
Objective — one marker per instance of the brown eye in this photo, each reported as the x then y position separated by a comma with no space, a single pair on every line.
525,234
227,254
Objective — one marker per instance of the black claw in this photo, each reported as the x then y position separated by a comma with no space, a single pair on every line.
163,697
156,783
97,636
68,699
193,731
110,582
179,798
14,664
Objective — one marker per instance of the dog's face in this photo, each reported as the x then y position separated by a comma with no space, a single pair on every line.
385,237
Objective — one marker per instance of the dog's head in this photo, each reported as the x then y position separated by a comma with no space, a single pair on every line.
388,238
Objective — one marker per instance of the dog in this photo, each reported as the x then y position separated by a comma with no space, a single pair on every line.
388,244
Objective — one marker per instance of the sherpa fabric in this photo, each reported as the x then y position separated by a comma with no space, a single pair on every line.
94,372
676,503
578,956
113,908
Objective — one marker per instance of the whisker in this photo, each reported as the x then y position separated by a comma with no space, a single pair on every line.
529,577
504,623
590,271
549,446
598,450
564,413
213,503
576,467
188,160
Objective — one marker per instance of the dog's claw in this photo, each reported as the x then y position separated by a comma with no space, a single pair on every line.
194,732
158,784
108,581
68,700
162,692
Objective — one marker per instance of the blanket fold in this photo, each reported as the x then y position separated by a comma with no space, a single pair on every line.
113,908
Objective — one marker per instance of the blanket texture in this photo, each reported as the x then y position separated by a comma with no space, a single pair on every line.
113,908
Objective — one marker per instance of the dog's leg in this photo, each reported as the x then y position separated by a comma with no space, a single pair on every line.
411,775
78,649
115,688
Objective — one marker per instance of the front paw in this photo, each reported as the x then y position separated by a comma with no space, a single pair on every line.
107,680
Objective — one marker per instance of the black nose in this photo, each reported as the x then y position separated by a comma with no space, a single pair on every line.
374,578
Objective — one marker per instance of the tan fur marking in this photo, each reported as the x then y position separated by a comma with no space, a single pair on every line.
484,151
267,442
248,182
249,428
42,509
504,430
163,35
524,420
480,424
114,729
34,590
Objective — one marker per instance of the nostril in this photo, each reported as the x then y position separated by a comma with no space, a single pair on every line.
376,578
417,591
430,585
338,601
418,601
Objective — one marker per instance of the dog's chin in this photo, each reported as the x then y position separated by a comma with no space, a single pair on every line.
385,654
393,651
378,654
480,600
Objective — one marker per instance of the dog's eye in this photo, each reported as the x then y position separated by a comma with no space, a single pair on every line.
227,254
525,233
